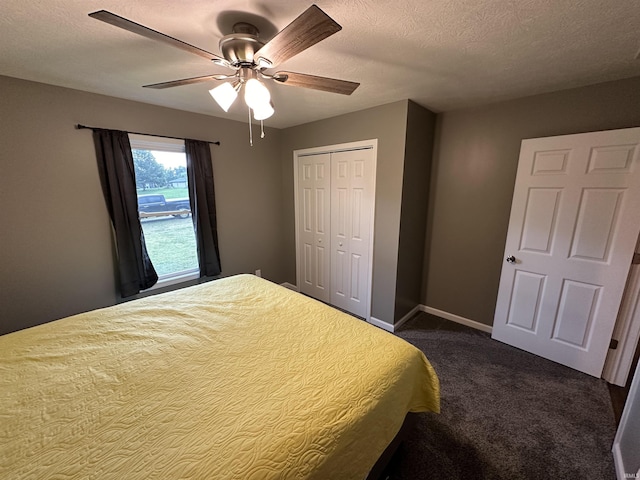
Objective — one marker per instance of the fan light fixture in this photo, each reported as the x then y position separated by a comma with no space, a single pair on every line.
256,96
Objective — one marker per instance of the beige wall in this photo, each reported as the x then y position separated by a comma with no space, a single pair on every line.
387,123
475,161
56,253
413,219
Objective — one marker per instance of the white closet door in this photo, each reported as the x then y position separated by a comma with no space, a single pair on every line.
314,220
352,190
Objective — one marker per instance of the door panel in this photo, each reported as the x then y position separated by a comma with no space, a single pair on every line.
356,289
352,199
573,228
578,304
597,223
313,225
525,300
541,212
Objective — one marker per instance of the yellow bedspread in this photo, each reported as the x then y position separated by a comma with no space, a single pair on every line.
233,379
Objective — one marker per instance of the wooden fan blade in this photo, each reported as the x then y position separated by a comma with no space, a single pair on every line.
187,81
312,26
136,28
317,83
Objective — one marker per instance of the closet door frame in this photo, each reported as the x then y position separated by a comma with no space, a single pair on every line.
359,145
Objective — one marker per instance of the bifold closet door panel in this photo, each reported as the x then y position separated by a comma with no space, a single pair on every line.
314,222
351,220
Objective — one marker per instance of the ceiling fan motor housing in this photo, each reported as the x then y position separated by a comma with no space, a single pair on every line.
240,46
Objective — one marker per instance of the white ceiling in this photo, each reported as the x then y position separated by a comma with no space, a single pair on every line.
443,54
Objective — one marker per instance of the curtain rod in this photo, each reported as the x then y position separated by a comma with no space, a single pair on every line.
82,127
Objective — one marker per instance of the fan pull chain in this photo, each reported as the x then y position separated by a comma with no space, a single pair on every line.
250,129
261,129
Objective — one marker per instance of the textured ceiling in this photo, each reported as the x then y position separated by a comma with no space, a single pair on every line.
443,54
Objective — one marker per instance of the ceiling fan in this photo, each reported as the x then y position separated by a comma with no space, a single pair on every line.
250,57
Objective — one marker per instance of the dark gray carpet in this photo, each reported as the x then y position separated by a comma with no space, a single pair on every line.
506,414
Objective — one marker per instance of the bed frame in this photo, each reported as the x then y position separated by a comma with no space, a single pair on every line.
379,469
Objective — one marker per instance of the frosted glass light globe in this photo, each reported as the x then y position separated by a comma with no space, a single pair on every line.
225,95
263,112
256,94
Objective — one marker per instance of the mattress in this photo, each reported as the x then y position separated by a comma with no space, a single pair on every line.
236,378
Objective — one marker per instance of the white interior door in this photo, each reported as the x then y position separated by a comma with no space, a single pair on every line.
574,223
314,222
352,200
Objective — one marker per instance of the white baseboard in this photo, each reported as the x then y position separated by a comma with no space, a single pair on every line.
392,328
457,318
407,317
433,311
380,324
418,308
290,286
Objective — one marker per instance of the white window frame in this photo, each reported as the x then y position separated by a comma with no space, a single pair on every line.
148,142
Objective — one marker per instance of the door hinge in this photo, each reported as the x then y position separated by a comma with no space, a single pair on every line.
613,345
636,259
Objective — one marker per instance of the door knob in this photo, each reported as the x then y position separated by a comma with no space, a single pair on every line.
511,259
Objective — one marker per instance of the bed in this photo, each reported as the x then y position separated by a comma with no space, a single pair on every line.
236,378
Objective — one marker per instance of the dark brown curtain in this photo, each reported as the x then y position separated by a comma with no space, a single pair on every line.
115,164
203,205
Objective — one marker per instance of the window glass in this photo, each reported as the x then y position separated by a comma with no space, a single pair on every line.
163,205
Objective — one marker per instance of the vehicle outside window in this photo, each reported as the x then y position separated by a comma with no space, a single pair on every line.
159,206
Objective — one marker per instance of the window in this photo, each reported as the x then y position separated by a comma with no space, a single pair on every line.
163,204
